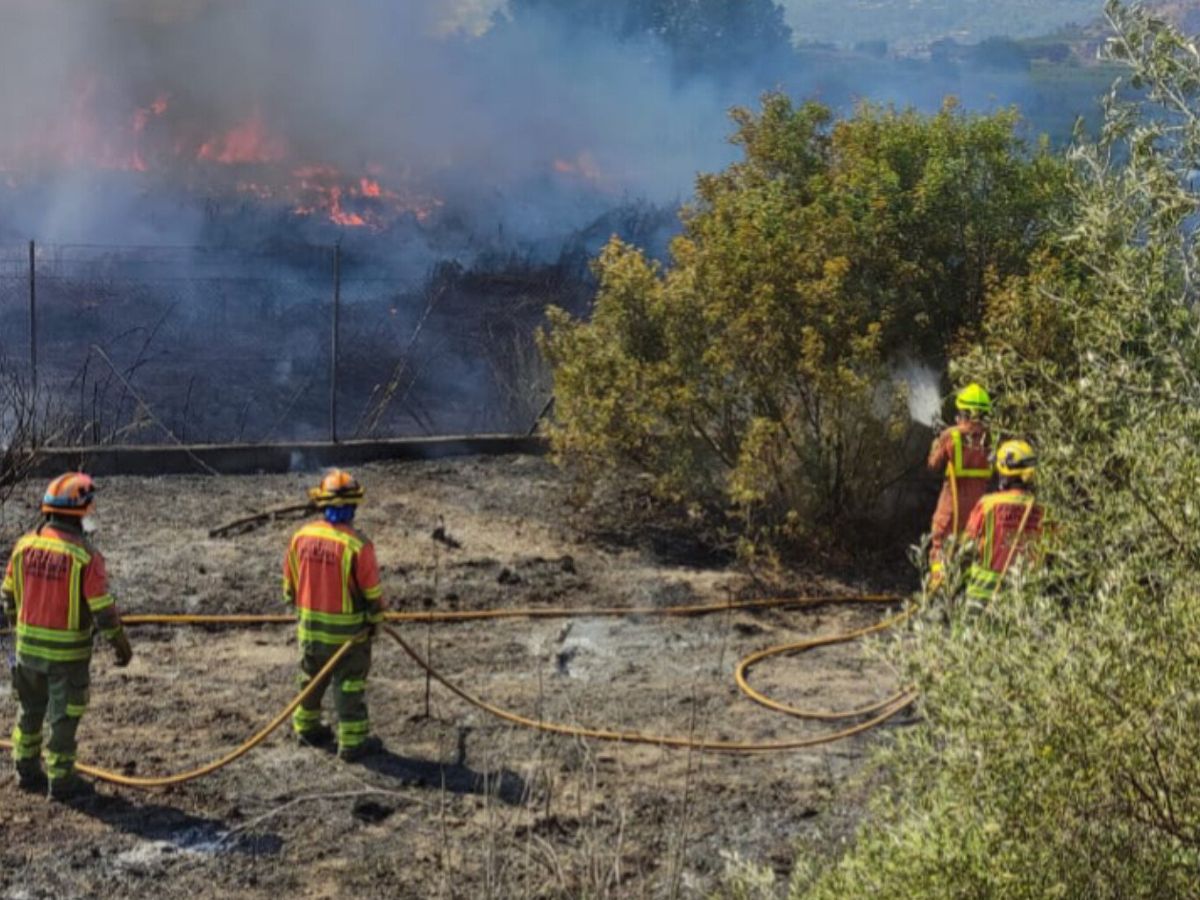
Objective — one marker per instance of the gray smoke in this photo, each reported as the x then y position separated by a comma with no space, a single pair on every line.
117,106
144,121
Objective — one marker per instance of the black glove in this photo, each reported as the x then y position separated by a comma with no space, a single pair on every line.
124,652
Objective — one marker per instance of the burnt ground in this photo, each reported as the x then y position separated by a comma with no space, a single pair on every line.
460,805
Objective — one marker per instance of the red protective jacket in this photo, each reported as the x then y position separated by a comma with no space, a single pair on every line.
962,453
331,576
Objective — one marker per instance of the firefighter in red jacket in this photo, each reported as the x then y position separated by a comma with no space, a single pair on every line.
963,453
331,576
55,595
1006,524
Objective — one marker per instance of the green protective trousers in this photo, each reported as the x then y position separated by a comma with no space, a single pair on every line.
56,692
349,679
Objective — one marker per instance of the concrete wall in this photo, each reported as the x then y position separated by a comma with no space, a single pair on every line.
247,459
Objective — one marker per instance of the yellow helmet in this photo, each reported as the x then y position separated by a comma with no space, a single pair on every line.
973,399
337,488
1016,459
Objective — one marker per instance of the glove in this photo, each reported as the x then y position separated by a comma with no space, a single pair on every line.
6,649
124,652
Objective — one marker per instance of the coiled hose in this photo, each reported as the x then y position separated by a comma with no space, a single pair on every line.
879,712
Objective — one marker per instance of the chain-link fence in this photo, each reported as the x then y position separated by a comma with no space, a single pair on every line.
199,345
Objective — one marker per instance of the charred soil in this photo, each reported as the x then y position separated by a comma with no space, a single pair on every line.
459,804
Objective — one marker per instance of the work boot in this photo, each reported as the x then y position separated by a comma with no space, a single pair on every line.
30,777
321,737
71,789
368,747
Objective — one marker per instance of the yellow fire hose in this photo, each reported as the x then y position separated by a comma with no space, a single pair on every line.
191,775
882,710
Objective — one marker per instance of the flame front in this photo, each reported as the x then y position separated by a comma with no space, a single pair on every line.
156,139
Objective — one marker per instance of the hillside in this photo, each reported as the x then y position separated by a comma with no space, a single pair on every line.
920,21
916,22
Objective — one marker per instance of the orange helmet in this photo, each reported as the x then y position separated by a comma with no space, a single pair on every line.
337,488
72,494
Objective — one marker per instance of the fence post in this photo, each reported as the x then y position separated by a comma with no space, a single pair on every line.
333,350
33,366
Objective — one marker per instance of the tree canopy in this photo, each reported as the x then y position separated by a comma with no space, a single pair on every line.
702,35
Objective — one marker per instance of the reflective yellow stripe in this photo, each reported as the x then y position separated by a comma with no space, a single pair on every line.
372,593
348,620
352,734
981,582
354,685
101,603
59,765
989,536
78,655
26,746
305,719
39,542
19,577
957,464
347,567
73,607
75,712
55,635
328,532
310,636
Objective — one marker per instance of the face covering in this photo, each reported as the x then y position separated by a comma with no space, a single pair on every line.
339,515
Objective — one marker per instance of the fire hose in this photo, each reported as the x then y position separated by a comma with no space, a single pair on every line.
879,712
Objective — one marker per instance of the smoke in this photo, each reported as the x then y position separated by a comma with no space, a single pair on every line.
372,105
924,392
137,120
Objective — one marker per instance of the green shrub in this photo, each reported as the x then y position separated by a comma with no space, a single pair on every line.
753,375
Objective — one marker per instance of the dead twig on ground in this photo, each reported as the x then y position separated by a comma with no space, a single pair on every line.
249,523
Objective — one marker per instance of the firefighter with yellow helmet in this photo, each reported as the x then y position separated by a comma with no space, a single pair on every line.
963,453
331,577
55,595
1005,524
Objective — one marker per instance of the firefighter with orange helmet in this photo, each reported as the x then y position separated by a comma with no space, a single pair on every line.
1005,524
331,577
963,453
55,595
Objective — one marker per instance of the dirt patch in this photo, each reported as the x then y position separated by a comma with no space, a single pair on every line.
460,805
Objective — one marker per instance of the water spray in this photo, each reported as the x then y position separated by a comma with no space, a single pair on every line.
924,394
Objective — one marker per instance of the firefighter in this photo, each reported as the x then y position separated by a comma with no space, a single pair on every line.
962,451
55,595
1004,524
331,576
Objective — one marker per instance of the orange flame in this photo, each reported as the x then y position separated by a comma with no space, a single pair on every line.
584,165
246,143
135,142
